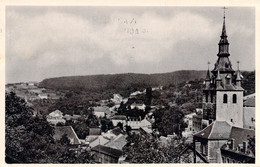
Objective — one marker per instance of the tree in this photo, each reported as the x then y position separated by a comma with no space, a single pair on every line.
168,122
149,149
29,138
26,135
120,125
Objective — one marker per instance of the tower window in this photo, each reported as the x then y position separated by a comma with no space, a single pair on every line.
234,98
225,98
207,98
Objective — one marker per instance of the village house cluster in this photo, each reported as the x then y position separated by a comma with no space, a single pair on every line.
217,132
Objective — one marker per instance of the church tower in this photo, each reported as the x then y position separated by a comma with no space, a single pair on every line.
223,94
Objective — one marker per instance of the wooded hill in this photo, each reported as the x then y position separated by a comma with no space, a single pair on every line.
133,81
120,81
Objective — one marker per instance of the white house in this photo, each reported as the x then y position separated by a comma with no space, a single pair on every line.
55,117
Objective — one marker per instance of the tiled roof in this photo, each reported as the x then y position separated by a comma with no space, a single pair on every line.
118,143
94,131
108,151
118,117
216,130
250,102
69,131
241,134
117,131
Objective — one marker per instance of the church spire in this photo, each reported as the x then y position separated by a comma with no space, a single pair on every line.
208,74
223,43
223,63
224,33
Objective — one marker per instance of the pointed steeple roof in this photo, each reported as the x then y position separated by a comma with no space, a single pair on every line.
218,76
223,63
207,76
238,78
224,33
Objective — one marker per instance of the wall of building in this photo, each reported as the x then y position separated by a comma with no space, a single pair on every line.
230,112
214,148
249,117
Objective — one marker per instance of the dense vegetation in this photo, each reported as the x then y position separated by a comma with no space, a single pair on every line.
248,82
151,149
29,138
119,83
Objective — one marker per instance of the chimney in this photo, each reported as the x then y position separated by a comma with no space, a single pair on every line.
245,146
231,146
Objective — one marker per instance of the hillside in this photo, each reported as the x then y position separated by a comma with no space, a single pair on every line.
120,81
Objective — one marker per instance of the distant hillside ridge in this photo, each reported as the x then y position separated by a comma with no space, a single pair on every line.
121,81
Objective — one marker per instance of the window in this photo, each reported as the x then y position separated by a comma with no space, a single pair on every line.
225,98
231,120
211,98
234,98
223,160
207,98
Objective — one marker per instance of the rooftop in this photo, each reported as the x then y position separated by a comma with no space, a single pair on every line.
250,101
69,131
216,130
108,151
240,134
94,131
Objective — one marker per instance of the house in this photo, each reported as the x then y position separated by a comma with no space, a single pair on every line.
236,150
93,139
210,143
118,142
104,154
138,106
249,111
55,117
197,122
137,123
134,94
66,130
73,117
43,96
209,140
101,111
117,98
118,118
97,140
188,119
53,96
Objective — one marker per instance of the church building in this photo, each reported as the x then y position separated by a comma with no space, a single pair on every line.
223,94
223,112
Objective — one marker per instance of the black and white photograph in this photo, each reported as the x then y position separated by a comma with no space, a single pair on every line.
129,84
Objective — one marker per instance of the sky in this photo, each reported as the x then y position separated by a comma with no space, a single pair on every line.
44,42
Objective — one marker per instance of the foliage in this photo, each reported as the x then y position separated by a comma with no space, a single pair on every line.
149,149
26,135
248,82
104,86
29,138
169,121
